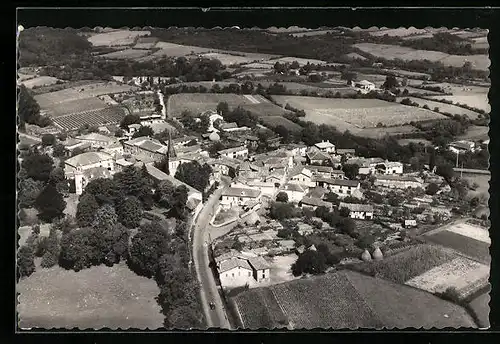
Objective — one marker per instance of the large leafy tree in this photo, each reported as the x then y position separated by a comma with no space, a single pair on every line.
130,212
144,131
194,174
86,210
351,170
52,249
28,110
312,262
104,190
105,217
25,261
128,120
131,182
38,166
29,190
50,203
148,245
77,251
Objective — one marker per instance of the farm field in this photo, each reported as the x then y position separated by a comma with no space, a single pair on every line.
414,37
40,81
355,56
387,51
114,38
414,90
377,133
347,299
274,121
481,307
404,142
94,298
406,265
291,59
98,117
451,109
400,32
127,54
258,65
47,100
479,101
227,59
470,247
464,275
400,72
352,114
75,106
200,102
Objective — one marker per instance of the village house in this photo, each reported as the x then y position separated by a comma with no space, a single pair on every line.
459,147
121,163
301,175
237,270
326,172
348,152
389,167
145,146
342,187
296,149
313,203
96,140
70,145
252,141
150,118
232,197
183,140
304,229
277,177
398,182
358,211
317,157
364,85
225,166
213,116
96,163
295,192
240,152
325,147
266,188
410,223
274,142
114,150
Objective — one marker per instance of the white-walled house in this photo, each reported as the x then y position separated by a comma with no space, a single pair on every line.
240,152
358,211
462,146
301,175
313,203
389,168
339,186
232,197
295,192
97,140
237,270
325,146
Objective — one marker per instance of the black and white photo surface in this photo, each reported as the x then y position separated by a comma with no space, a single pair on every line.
279,178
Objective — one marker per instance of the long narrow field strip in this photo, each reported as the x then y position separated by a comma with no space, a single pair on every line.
464,275
477,100
114,38
128,54
451,109
275,121
260,310
391,52
40,81
227,59
251,98
400,32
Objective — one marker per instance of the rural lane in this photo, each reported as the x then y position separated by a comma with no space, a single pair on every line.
208,289
163,107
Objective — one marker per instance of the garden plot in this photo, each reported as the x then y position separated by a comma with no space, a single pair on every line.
391,52
94,298
443,107
119,37
128,54
109,115
470,247
40,81
75,106
464,275
470,231
177,50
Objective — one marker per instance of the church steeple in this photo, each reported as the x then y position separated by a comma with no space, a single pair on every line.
171,150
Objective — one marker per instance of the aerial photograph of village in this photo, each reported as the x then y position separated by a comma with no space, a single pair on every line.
253,178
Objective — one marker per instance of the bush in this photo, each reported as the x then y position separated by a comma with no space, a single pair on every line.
282,197
25,262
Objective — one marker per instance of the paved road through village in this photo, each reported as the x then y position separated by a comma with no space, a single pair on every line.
209,292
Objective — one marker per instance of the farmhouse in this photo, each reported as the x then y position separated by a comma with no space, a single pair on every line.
364,85
317,158
459,147
339,186
398,182
325,147
313,203
358,211
237,270
295,192
389,167
96,140
232,197
234,153
301,175
145,146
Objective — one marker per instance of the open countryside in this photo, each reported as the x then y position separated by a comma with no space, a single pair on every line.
191,178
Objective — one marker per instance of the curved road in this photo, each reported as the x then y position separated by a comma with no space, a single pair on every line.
208,289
